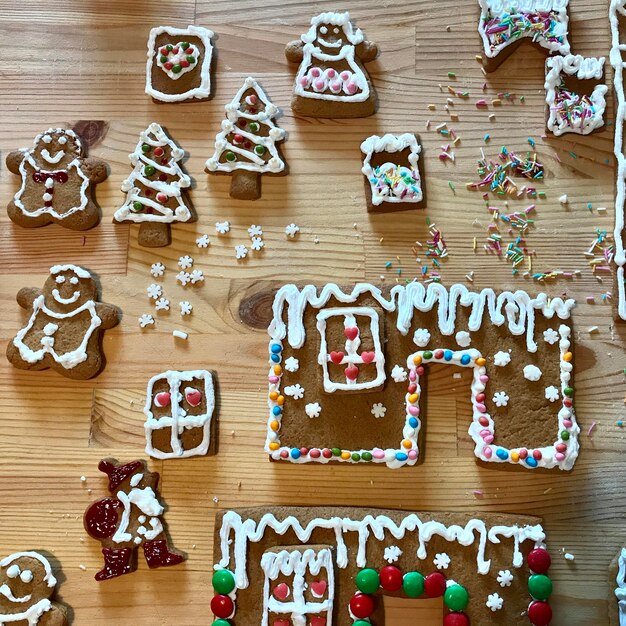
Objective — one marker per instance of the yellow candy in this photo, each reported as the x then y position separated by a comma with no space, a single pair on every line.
280,400
273,395
278,370
417,359
568,356
413,398
274,446
345,455
514,457
407,444
481,361
274,425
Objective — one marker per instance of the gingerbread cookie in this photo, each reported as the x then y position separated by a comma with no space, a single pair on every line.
506,24
155,189
323,565
568,111
26,586
332,80
617,15
57,182
246,146
128,520
391,170
65,325
179,63
179,410
365,352
617,596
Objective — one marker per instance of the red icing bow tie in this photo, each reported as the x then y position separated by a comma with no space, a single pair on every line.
41,177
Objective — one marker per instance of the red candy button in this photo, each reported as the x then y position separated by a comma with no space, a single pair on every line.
362,605
390,578
222,606
456,619
539,561
435,585
539,613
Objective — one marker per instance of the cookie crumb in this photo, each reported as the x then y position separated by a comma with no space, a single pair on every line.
180,334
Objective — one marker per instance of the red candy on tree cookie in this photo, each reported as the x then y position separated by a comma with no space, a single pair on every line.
130,519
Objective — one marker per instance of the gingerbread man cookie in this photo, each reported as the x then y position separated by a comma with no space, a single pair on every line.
63,331
331,80
57,182
130,519
26,586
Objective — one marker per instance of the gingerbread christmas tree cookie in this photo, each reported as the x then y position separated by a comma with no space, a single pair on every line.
391,170
246,146
332,80
179,63
27,585
155,190
65,325
129,519
57,182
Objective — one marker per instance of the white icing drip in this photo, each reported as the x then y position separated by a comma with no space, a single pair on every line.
584,69
179,420
618,6
257,164
203,90
620,591
248,530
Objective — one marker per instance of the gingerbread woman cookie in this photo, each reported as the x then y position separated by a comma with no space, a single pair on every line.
26,586
57,182
64,328
331,80
130,519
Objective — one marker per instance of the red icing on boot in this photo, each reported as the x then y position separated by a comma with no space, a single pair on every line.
101,518
158,554
116,563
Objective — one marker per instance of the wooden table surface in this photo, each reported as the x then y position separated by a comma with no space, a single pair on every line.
72,60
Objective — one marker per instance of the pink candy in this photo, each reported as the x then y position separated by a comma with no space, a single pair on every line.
487,452
377,453
413,410
412,375
351,88
567,423
412,454
273,379
484,378
315,72
319,84
559,456
344,75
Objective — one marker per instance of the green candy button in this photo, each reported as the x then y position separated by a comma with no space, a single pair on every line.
368,581
177,69
145,148
413,584
221,622
360,622
191,59
163,59
456,597
428,355
184,45
540,587
336,451
259,149
367,456
149,170
223,581
254,127
230,156
356,456
137,206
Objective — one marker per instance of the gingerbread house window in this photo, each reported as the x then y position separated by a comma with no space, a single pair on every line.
352,360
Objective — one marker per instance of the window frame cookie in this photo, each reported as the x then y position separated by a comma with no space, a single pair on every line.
203,90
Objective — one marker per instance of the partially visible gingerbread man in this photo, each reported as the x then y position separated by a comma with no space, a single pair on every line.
64,328
130,519
57,182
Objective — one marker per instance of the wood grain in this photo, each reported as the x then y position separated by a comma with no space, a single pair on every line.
80,60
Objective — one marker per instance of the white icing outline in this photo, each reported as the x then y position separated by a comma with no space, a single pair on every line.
617,48
275,164
249,530
516,309
588,68
297,563
204,89
155,136
497,8
146,501
179,420
392,143
620,590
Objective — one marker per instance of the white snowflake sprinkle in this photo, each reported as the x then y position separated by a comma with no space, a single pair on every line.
295,391
203,241
255,231
241,252
552,393
463,338
222,227
145,320
421,337
501,358
505,578
162,304
313,409
183,278
196,276
257,244
292,364
185,307
392,554
378,410
500,398
154,291
532,372
398,373
550,336
441,561
157,269
291,230
494,602
185,262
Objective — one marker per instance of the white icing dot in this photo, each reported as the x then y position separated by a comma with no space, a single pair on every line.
532,372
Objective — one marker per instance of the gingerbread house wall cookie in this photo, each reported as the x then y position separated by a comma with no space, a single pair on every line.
391,170
348,367
321,565
179,63
617,595
506,24
568,111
